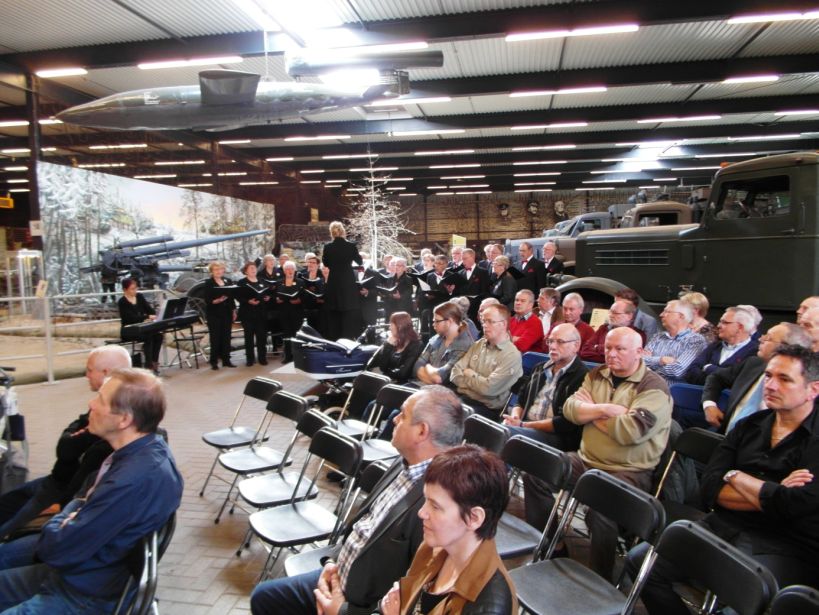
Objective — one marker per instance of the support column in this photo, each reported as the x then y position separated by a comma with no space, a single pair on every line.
33,115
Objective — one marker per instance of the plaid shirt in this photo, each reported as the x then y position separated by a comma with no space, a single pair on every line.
541,408
365,526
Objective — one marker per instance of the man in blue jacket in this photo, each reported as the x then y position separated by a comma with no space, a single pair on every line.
736,342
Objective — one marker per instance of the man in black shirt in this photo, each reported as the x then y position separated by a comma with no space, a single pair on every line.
760,484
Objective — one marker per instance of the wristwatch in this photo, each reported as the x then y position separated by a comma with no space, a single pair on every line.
729,475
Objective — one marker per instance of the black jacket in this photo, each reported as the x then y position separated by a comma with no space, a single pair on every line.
566,386
534,276
341,292
477,284
739,378
397,366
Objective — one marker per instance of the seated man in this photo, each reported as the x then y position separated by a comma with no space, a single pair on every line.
625,411
525,328
573,306
621,314
807,303
543,394
670,353
745,381
485,374
760,484
809,321
82,551
79,454
548,300
386,532
735,331
642,321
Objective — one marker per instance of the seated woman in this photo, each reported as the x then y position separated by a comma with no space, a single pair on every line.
502,285
700,305
134,309
397,355
457,569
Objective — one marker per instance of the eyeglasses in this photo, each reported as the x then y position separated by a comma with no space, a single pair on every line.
551,341
613,313
670,312
440,320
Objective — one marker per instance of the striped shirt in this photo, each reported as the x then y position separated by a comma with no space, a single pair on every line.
684,347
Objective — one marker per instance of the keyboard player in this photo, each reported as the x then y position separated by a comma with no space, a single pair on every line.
135,309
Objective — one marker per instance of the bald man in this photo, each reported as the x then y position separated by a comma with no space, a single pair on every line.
79,453
625,411
809,321
807,303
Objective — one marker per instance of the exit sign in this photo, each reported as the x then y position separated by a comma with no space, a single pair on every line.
6,202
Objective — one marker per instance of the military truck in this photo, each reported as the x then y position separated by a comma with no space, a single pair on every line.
567,229
756,243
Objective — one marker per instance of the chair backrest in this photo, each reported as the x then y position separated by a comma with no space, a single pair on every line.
390,397
698,444
365,389
312,421
373,473
796,600
339,449
485,433
262,388
288,405
530,359
735,578
540,460
686,395
635,510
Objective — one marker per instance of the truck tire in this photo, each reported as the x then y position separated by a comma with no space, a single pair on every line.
598,293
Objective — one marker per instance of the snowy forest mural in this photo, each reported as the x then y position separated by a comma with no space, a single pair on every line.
84,212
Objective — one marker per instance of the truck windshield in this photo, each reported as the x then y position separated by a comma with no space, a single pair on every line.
762,197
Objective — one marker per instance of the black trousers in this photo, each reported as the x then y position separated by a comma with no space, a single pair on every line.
344,323
255,330
219,327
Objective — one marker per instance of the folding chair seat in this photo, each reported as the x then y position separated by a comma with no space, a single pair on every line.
390,397
303,522
365,389
736,579
258,459
485,433
796,600
694,443
311,559
237,436
563,585
515,537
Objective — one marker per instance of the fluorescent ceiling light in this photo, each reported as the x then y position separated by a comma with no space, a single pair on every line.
421,100
344,156
168,163
319,138
763,17
445,152
737,155
102,165
13,123
590,189
459,186
373,169
15,150
536,174
50,121
752,79
605,181
408,194
191,62
437,131
765,137
534,190
159,176
356,189
15,168
398,179
531,162
19,190
591,89
271,183
469,165
798,112
475,192
693,118
309,171
542,148
665,179
647,187
49,149
193,185
234,141
535,183
310,181
280,159
443,193
591,31
61,72
437,187
334,181
17,181
463,177
120,146
695,168
232,174
396,188
544,126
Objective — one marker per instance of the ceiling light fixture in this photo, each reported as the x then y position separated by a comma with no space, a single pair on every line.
234,141
463,177
591,89
193,185
159,176
191,62
535,183
693,118
763,17
168,163
706,168
531,162
119,146
102,165
280,159
545,173
17,181
19,190
391,102
590,31
319,138
590,189
373,169
765,137
751,79
545,126
436,131
798,112
344,156
15,168
309,171
445,152
534,190
258,183
456,166
51,73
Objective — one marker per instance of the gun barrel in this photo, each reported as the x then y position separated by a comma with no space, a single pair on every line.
181,245
141,242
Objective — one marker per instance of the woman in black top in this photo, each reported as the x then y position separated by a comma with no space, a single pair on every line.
401,299
268,273
398,354
313,283
253,302
220,314
502,285
134,309
291,312
341,294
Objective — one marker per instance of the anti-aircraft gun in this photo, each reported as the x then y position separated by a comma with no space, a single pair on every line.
139,258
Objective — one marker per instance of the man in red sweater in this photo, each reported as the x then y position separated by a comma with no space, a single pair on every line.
524,327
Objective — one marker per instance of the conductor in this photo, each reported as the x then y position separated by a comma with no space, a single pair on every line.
341,293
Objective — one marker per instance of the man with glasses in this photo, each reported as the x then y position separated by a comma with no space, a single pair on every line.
625,412
485,374
745,380
621,314
670,353
539,411
736,342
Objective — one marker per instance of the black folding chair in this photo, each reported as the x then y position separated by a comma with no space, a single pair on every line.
736,579
563,585
515,537
238,436
390,397
796,600
301,522
485,433
364,390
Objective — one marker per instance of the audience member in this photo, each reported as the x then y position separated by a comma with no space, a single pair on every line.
485,374
534,273
625,411
735,330
502,285
457,568
643,321
809,321
621,314
465,304
760,485
78,563
397,355
445,348
550,261
539,411
807,303
548,304
699,303
525,328
79,454
385,533
756,315
670,353
745,380
573,306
